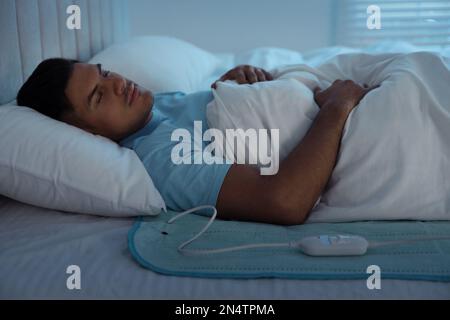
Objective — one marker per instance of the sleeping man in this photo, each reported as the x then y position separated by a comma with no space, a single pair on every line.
107,104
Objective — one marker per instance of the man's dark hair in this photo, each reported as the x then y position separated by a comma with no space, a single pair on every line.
44,89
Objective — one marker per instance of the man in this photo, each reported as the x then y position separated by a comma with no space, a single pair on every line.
107,104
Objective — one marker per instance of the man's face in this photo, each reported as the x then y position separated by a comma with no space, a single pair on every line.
106,103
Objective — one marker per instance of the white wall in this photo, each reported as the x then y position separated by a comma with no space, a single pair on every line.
236,25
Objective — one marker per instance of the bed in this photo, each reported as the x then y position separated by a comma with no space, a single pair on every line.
37,245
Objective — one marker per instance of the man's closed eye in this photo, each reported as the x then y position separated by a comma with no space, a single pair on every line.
105,74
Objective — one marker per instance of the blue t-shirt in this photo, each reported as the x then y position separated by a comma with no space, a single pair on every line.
182,186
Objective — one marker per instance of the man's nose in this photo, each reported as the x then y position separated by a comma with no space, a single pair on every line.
119,84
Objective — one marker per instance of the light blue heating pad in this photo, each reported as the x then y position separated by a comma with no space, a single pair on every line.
153,243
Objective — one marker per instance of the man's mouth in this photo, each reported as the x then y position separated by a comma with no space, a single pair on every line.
132,93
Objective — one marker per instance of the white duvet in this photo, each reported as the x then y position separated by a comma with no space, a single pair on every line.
394,158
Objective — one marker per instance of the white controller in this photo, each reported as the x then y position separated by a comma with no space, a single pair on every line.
333,245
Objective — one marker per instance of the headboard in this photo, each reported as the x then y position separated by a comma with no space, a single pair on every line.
33,30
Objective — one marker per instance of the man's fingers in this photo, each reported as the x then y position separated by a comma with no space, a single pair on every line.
260,74
222,78
240,77
368,89
317,96
251,75
245,74
316,90
269,77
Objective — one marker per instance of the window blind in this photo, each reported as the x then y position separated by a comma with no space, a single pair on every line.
424,23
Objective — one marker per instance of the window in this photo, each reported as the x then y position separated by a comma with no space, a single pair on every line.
423,23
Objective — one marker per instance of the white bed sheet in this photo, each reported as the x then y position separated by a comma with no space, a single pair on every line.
271,57
37,245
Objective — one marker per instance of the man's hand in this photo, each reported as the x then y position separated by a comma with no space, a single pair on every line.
341,94
245,74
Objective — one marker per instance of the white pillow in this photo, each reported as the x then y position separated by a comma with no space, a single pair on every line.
268,57
51,164
160,64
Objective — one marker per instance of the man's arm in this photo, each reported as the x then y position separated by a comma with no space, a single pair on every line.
287,197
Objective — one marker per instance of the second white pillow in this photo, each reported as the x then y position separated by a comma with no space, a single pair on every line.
159,64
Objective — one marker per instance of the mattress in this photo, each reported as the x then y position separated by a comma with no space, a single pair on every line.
38,245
